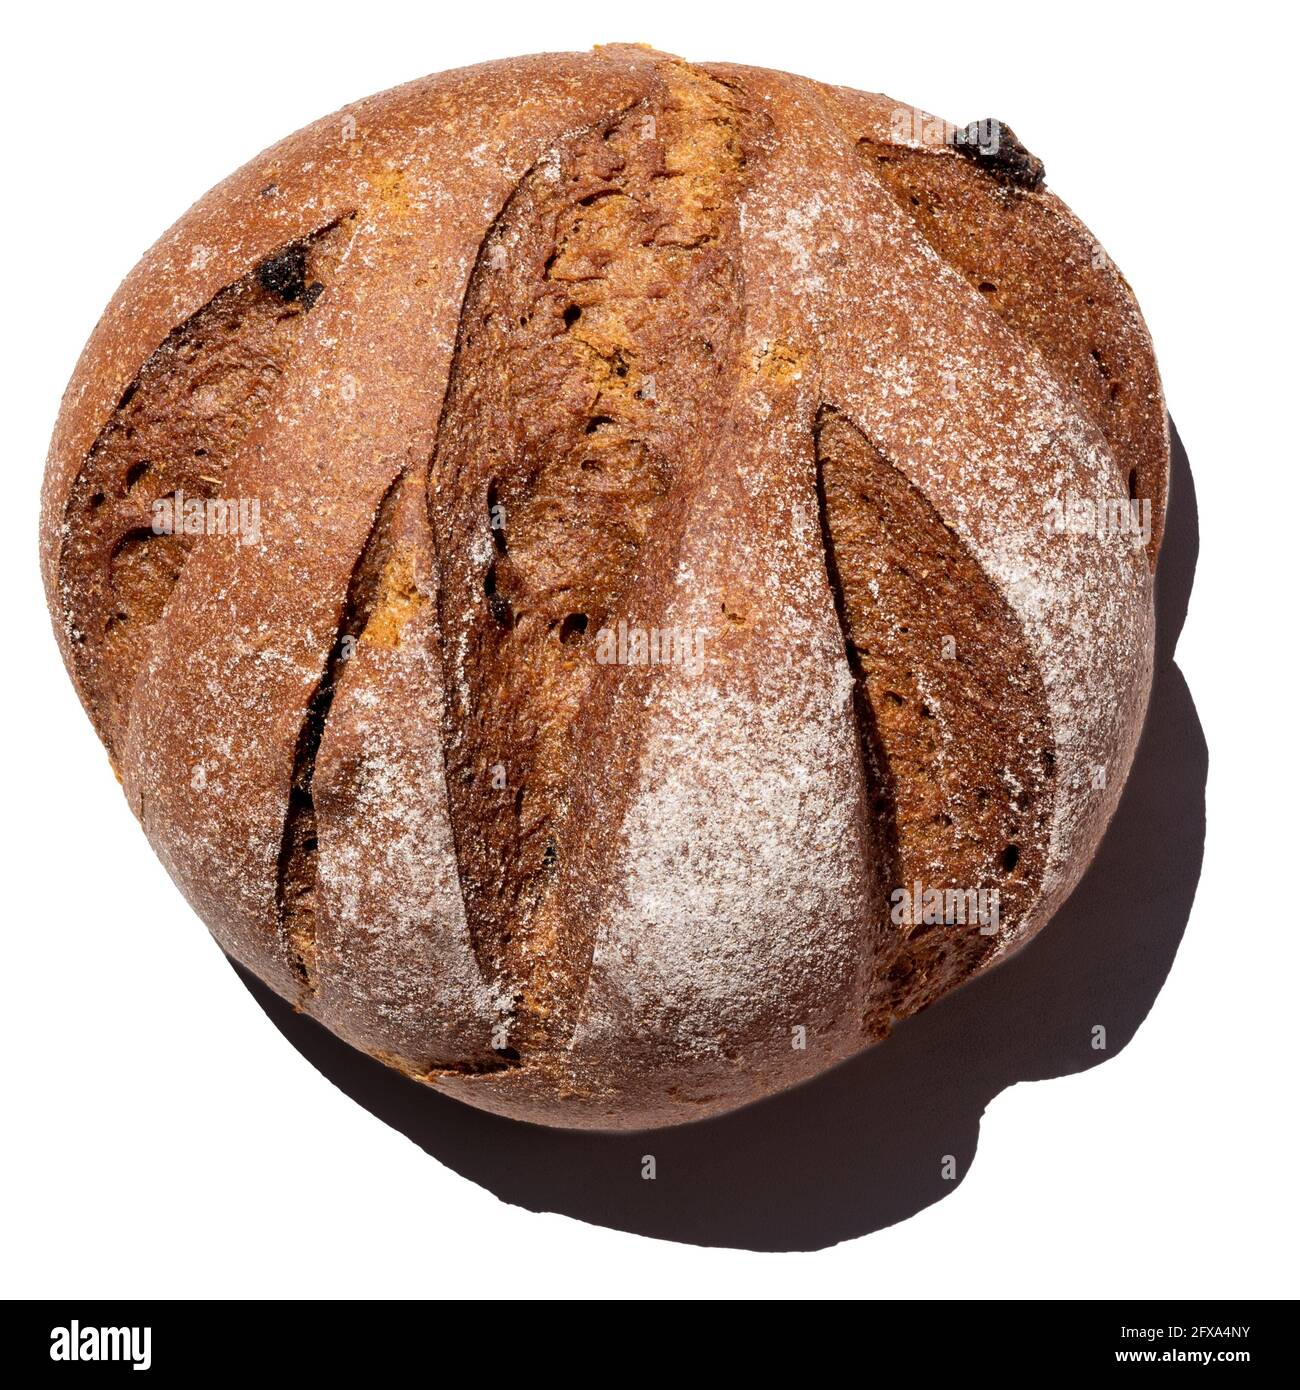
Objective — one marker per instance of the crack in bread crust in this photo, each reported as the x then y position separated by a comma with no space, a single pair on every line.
936,654
376,599
176,427
607,286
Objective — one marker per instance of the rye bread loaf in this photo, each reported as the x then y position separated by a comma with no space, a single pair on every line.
666,551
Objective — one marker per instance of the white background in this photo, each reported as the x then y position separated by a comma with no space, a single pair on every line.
161,1138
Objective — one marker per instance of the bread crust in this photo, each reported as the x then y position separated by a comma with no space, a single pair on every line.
602,338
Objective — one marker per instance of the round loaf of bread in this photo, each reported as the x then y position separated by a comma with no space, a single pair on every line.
608,582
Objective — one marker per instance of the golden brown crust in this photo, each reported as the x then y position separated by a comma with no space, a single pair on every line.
513,356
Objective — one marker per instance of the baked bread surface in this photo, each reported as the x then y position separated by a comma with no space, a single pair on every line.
519,362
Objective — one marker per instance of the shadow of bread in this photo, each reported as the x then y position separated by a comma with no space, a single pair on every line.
863,1146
